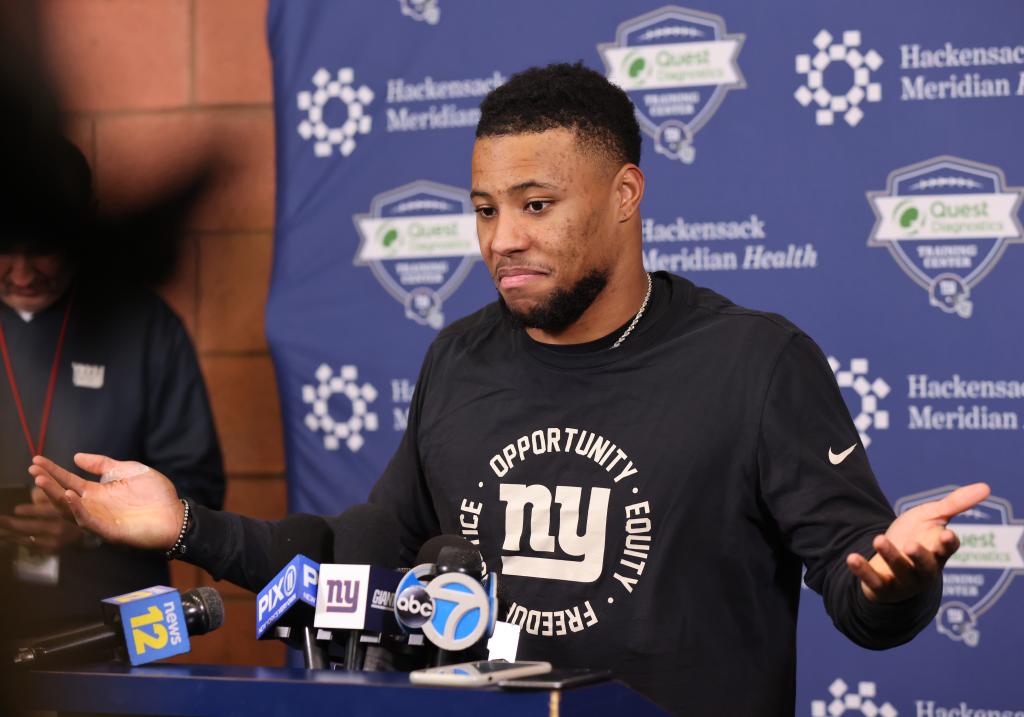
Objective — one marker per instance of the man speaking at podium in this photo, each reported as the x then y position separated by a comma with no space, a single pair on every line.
647,464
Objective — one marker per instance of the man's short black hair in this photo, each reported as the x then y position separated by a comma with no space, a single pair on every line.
564,96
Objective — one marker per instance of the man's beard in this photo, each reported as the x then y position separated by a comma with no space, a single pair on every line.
563,307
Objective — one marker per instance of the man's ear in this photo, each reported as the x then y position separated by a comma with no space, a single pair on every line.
629,190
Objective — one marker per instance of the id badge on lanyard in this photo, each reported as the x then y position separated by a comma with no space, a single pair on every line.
30,566
36,568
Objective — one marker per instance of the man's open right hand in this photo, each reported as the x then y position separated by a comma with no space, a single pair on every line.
132,504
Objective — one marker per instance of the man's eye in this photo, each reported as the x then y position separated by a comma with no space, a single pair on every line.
536,206
486,212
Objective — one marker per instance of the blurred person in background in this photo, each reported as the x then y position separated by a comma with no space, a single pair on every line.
91,363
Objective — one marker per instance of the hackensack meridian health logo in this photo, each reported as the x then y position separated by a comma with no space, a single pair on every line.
848,701
991,554
352,121
427,11
824,77
339,407
947,221
866,411
676,65
419,240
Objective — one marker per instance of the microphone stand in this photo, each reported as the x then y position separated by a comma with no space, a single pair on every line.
355,653
312,654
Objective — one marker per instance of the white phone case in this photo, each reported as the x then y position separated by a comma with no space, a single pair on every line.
467,674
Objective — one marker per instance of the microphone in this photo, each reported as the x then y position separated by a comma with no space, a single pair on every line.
300,534
464,559
143,626
284,609
430,551
367,533
356,593
450,599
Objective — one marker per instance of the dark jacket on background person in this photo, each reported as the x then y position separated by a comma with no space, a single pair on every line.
128,386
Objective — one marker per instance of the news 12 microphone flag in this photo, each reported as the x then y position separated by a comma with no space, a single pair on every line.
857,167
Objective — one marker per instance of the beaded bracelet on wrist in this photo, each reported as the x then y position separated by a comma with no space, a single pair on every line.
179,548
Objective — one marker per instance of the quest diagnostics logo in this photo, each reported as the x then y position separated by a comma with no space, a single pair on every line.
419,240
837,79
947,221
991,554
335,112
676,64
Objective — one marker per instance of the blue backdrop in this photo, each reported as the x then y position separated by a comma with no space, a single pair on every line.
856,167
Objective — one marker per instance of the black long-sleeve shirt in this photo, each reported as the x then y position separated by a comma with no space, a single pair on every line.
649,507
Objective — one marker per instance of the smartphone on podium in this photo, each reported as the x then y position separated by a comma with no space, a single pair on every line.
476,674
560,678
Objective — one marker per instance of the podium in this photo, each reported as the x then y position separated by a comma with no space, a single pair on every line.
211,690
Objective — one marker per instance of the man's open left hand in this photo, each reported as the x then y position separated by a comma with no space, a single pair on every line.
910,556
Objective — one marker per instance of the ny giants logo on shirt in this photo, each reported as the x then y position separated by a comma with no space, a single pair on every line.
576,550
589,546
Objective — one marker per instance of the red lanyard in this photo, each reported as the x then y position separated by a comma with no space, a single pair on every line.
33,448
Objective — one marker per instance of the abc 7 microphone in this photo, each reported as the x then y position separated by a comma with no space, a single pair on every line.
447,601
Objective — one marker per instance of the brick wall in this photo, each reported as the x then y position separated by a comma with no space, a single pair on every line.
148,82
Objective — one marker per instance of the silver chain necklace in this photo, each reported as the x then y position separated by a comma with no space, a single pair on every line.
639,314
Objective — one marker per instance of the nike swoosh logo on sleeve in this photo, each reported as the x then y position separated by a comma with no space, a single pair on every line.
837,458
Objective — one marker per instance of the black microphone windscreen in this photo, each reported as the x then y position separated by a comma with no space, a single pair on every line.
366,534
460,559
301,534
504,603
431,550
209,609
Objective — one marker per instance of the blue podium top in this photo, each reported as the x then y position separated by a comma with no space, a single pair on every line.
188,690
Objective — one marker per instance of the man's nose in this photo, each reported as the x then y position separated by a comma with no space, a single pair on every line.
22,271
508,236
